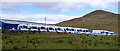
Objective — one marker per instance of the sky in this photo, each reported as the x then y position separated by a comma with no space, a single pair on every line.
55,11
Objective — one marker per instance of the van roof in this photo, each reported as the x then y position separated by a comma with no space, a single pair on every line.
33,25
23,24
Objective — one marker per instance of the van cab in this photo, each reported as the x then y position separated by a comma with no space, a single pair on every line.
59,29
102,32
51,29
33,27
84,31
23,27
69,29
42,28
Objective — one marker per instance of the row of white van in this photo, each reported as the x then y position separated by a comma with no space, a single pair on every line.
63,29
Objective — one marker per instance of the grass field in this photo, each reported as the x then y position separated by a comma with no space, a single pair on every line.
0,41
54,41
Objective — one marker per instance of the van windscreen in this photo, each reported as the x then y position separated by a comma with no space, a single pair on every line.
51,28
33,27
42,27
73,29
87,30
111,33
68,29
59,29
24,27
106,32
84,30
79,30
102,32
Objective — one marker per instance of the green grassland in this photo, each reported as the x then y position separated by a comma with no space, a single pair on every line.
55,41
0,41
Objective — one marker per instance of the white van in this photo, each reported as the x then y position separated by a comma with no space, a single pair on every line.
102,32
106,32
51,29
77,30
69,29
112,33
59,29
33,27
23,27
48,28
98,32
109,33
84,31
43,28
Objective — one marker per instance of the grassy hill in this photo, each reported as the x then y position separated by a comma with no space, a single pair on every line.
98,19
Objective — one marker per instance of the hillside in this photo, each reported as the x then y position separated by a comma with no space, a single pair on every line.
98,19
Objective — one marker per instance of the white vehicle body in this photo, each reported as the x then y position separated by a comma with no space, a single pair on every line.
109,33
84,31
62,29
33,27
77,30
43,28
106,32
98,32
69,29
73,30
59,29
23,27
112,33
102,32
51,29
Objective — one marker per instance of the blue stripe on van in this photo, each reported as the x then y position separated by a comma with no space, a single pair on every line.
94,33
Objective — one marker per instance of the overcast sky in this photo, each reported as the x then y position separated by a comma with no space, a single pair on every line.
55,11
